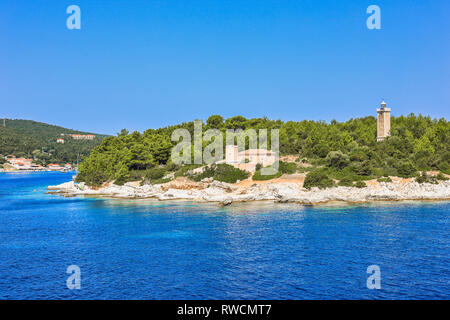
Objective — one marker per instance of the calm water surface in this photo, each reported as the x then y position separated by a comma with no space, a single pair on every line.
147,249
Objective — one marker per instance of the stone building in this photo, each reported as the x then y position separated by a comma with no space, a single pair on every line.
83,136
248,159
383,122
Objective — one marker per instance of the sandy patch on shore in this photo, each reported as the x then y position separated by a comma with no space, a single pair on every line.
298,179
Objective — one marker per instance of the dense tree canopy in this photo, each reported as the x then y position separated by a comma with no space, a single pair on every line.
350,148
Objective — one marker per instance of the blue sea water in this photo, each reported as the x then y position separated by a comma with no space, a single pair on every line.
146,249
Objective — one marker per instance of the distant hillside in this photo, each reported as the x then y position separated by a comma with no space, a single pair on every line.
38,140
40,129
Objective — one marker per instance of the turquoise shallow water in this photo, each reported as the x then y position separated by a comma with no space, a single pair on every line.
145,249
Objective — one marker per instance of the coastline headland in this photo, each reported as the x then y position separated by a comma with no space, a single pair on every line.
281,192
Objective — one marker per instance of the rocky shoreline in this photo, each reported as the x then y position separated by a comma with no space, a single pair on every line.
225,194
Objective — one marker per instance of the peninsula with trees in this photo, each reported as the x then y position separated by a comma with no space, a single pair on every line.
363,159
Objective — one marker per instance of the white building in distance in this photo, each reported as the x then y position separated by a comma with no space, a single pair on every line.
248,159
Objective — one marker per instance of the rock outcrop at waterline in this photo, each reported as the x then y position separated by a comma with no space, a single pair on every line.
225,193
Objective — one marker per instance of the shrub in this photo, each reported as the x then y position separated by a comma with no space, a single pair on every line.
406,169
337,159
136,175
208,172
423,163
182,171
446,170
317,178
259,177
384,179
302,169
320,150
364,168
230,174
92,178
444,166
346,173
358,155
440,176
171,167
386,172
287,167
154,173
424,178
159,181
360,184
377,172
222,172
346,182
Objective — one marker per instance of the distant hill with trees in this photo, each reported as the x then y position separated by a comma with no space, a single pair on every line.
37,140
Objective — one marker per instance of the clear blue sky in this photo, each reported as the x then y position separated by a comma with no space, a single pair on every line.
148,64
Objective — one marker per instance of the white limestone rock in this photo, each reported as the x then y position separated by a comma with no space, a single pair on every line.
226,193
